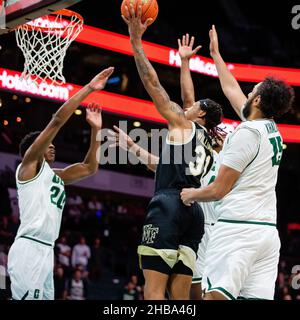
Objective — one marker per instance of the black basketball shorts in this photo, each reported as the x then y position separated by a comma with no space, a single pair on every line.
171,234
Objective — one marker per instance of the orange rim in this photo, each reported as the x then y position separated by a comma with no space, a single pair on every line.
63,12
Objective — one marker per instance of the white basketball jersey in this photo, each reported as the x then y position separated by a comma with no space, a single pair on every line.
253,197
41,202
210,214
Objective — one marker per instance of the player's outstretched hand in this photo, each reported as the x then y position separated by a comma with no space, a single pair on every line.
187,196
119,138
94,115
134,21
214,42
185,47
99,82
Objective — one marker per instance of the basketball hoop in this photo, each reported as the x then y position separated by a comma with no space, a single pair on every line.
44,42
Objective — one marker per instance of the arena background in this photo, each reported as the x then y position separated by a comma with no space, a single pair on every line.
112,209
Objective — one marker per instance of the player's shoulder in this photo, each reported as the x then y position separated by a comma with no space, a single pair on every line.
258,126
247,131
23,171
264,127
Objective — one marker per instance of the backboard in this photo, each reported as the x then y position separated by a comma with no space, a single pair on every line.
18,12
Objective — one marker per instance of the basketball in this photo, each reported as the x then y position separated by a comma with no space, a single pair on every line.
149,9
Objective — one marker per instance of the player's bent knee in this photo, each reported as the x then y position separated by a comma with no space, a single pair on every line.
153,295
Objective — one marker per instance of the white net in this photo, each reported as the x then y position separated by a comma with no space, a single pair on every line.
44,42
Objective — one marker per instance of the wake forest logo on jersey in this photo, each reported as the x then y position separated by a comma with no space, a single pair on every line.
149,234
58,195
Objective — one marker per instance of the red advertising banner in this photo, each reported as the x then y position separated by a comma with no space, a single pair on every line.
110,102
168,56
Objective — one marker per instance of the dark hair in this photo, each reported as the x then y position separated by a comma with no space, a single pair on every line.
277,97
214,115
27,141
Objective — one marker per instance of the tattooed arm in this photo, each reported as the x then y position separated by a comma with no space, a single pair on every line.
171,111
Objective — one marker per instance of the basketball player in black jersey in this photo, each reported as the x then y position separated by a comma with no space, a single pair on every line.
172,232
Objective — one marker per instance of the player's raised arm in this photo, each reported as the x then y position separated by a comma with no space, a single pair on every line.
172,112
186,52
230,86
119,138
36,151
89,166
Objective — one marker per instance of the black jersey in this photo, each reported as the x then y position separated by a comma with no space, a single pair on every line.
183,165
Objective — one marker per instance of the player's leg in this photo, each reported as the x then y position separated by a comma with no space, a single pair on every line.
196,288
180,282
260,284
48,292
191,220
156,273
25,263
230,254
158,250
155,285
157,267
180,287
196,291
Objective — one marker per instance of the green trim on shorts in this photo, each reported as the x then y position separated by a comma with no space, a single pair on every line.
38,241
220,289
248,222
196,280
242,298
25,295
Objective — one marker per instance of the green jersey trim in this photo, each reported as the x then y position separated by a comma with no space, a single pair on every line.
196,280
242,298
36,177
248,222
38,241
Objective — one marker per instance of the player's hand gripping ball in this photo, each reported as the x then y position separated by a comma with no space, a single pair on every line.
149,9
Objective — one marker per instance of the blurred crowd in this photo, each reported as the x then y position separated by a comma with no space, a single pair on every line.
95,256
288,281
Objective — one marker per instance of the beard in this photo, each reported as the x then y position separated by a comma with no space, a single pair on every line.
247,109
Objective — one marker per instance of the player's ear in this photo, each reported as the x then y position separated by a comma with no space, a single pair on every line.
257,101
201,113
